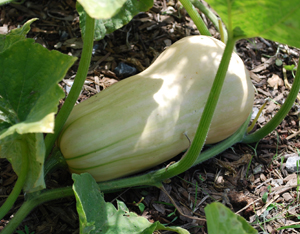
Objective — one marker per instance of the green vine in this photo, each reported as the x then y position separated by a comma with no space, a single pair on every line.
199,140
212,17
280,115
77,86
195,17
8,204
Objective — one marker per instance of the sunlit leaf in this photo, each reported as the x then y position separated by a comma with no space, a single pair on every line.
106,26
102,9
29,96
29,93
275,20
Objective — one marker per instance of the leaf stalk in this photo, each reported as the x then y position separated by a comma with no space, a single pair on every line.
198,21
8,204
77,86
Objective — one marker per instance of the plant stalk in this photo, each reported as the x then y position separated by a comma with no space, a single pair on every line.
191,155
35,200
280,115
77,86
195,17
211,16
8,204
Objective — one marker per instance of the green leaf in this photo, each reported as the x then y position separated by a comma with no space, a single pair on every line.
289,226
102,9
15,35
275,20
106,26
158,226
221,219
265,197
290,67
29,93
98,216
10,149
5,1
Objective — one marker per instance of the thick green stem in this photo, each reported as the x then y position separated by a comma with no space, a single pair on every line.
217,149
195,17
211,16
77,86
280,115
188,160
34,201
19,184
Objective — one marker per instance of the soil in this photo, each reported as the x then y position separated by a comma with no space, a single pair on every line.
238,177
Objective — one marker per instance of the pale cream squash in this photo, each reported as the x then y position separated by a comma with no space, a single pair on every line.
140,122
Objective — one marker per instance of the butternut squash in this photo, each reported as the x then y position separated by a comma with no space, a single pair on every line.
141,121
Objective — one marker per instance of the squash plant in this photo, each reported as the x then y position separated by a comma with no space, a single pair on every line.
26,112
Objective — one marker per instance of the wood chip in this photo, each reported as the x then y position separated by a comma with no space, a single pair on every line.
275,81
264,65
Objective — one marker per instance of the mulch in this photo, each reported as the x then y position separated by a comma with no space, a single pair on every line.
228,178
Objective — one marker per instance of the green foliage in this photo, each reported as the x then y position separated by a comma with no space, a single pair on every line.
221,219
26,231
28,99
29,90
13,151
106,26
275,20
96,215
5,2
102,9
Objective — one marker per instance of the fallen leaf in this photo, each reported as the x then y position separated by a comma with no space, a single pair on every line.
275,81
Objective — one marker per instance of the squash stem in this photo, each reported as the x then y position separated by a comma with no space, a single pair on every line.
191,10
19,184
280,115
77,86
192,153
33,201
211,16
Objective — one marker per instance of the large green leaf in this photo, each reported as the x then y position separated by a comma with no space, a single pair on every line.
102,9
221,219
275,20
29,96
98,216
29,93
10,149
127,12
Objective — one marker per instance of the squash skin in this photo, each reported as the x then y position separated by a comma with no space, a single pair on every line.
140,122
